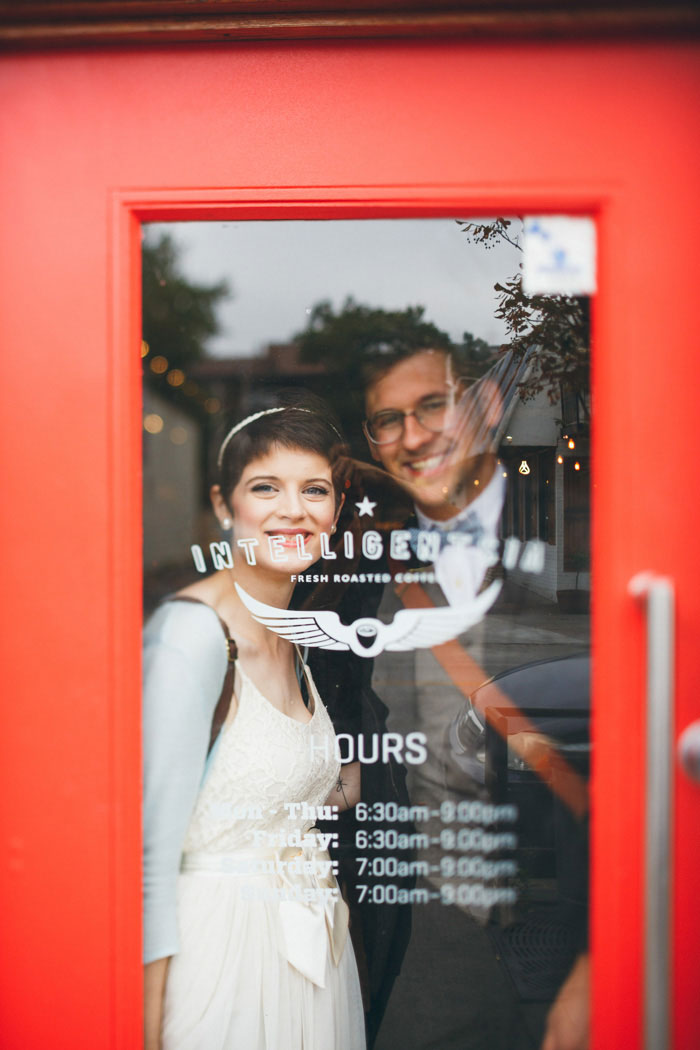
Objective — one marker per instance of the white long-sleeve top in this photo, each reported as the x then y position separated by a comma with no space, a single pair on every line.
184,665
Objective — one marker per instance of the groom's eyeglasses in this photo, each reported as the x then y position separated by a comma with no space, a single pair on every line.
431,413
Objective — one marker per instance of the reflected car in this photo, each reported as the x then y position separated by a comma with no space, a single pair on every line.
502,732
522,741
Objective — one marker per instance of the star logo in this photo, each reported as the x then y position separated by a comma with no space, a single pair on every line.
365,506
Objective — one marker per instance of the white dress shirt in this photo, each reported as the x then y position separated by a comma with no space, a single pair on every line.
464,560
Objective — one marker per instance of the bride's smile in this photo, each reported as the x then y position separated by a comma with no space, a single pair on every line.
284,500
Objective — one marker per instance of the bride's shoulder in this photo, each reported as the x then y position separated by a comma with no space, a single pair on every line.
184,622
184,646
197,604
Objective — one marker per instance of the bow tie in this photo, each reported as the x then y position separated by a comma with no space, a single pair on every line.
466,532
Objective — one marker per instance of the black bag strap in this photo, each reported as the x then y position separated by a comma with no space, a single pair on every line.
223,704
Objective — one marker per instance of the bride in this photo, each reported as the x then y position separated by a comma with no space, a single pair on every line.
246,940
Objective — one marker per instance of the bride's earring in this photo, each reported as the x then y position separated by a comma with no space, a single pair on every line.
333,528
226,523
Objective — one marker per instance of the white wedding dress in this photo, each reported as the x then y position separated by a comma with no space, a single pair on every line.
264,960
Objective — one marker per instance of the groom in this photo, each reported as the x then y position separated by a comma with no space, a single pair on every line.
433,430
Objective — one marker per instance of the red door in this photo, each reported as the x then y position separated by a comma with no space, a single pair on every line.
95,143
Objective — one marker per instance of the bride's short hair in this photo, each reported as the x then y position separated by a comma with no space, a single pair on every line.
301,420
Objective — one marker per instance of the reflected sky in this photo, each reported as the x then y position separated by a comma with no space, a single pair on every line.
279,270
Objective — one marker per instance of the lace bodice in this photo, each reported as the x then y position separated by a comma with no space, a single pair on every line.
269,773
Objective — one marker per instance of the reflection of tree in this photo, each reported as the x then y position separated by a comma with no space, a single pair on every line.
475,355
178,317
557,324
357,335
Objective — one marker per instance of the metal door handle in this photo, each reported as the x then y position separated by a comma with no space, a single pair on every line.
689,751
656,594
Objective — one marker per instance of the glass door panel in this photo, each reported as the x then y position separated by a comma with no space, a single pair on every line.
443,607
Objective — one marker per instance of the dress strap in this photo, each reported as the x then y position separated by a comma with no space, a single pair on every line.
303,676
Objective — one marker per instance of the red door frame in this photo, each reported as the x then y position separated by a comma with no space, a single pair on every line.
103,141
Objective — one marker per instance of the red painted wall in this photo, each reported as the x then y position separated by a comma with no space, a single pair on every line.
89,143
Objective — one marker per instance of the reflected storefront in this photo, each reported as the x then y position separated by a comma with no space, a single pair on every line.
443,614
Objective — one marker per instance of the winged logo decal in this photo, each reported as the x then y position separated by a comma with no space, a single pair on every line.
410,628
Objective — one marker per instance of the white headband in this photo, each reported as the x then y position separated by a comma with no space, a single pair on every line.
239,426
257,415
